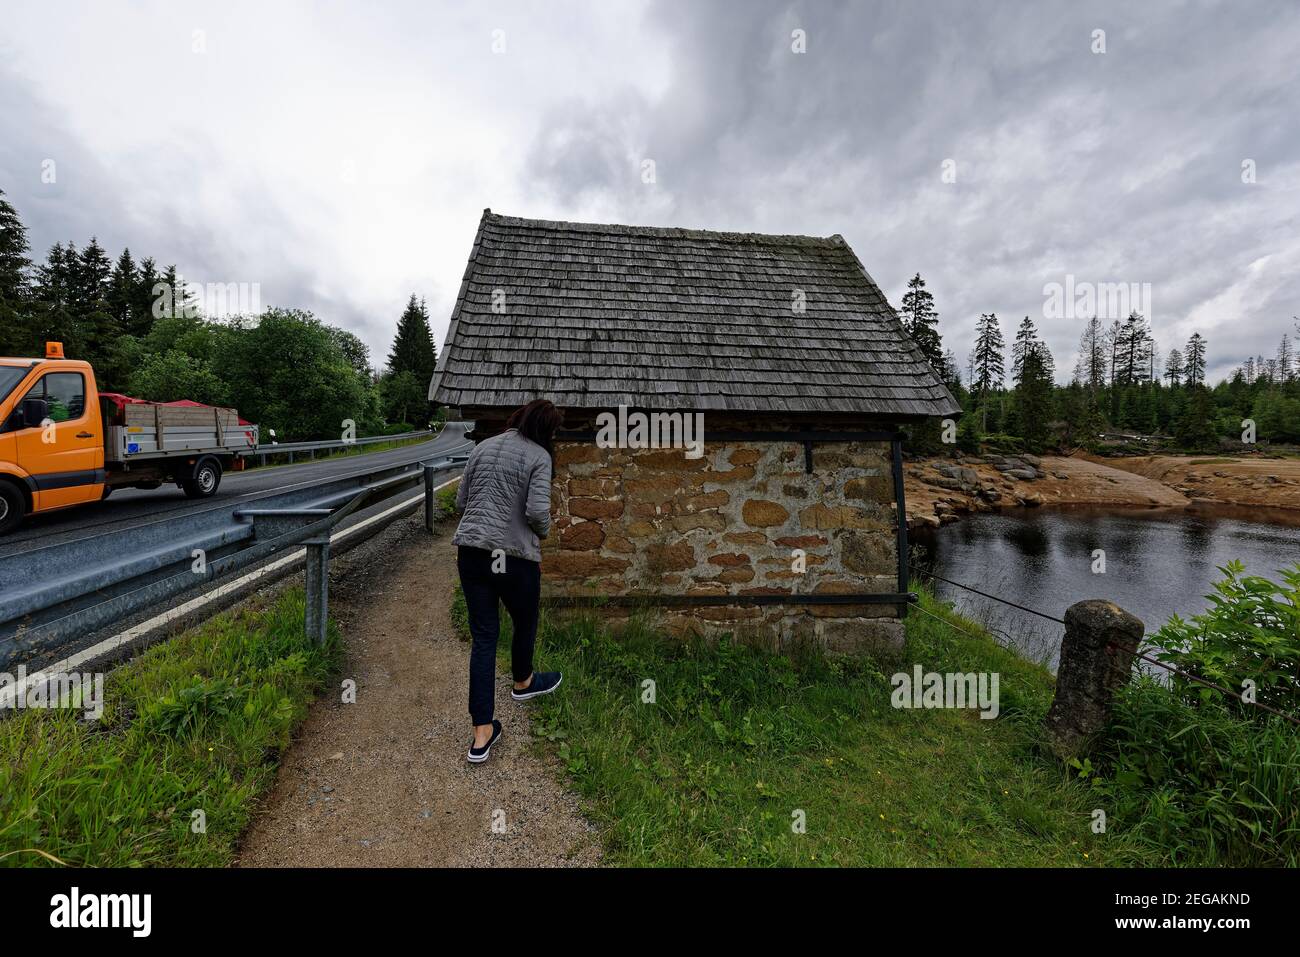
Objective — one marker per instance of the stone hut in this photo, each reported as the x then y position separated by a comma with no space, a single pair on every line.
786,523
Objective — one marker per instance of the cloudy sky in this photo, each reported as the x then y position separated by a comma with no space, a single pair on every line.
340,154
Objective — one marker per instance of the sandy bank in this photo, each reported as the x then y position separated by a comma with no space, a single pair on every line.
1230,481
941,490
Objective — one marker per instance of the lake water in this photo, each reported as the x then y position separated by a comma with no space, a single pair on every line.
1158,562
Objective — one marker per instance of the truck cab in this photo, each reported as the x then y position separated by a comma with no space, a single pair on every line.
51,434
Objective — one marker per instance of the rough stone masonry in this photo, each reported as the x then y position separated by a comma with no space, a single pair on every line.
744,519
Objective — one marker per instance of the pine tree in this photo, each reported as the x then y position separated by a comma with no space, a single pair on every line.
921,322
15,290
1090,370
1194,360
951,374
54,315
1027,342
413,349
1033,395
183,302
1285,359
121,292
1195,429
1133,351
142,302
1174,368
92,289
988,360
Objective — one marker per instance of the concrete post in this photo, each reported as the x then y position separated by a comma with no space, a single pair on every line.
1096,660
318,588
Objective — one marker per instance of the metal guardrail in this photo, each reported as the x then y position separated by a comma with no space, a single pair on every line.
57,594
331,445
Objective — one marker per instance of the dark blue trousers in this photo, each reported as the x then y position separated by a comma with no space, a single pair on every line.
519,588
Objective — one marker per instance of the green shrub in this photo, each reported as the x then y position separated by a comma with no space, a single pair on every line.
1250,632
1005,444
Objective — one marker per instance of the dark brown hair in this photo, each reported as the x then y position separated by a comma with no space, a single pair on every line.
538,421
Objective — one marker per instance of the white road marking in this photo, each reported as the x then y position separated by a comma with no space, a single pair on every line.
9,694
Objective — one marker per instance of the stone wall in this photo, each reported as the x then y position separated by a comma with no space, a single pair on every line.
636,522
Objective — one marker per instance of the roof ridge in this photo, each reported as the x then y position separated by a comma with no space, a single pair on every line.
674,232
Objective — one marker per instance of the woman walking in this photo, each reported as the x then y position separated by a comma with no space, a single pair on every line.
505,498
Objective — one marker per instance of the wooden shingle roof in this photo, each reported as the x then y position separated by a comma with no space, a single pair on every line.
593,316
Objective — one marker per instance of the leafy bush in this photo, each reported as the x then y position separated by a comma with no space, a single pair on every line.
1006,444
1250,632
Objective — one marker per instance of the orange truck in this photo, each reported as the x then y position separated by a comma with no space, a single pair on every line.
62,442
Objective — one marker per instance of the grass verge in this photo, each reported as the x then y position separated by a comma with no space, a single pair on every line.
195,724
752,759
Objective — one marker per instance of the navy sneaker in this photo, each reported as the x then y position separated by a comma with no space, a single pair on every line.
479,755
544,682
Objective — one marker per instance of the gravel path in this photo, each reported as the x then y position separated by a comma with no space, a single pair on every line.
384,782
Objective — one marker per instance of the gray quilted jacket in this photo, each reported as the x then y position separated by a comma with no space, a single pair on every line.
505,497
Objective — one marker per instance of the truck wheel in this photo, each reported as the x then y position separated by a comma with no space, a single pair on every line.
205,481
12,507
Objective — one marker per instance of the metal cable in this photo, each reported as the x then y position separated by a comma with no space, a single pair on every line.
1145,657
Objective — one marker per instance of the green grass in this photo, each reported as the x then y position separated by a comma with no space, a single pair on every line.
446,501
195,723
1204,784
739,741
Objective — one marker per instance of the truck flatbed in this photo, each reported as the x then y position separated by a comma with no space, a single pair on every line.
150,431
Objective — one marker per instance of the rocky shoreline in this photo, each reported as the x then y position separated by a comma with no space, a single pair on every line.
942,490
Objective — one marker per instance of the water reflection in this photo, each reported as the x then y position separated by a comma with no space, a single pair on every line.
1157,562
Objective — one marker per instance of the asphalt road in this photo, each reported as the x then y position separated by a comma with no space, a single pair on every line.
128,507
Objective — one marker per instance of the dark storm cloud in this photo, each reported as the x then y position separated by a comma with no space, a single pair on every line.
1123,166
